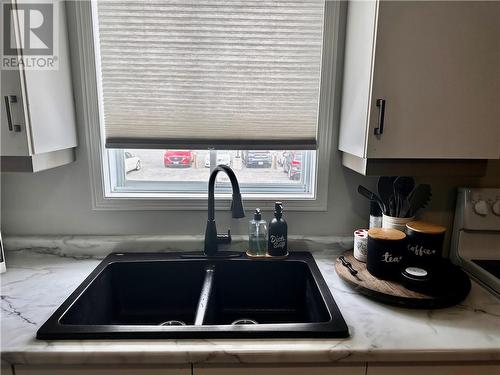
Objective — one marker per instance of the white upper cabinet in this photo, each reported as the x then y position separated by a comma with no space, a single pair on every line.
38,129
421,80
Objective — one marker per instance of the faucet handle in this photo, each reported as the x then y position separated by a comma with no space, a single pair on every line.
224,239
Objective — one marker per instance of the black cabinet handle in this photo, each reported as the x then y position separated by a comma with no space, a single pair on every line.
9,99
381,116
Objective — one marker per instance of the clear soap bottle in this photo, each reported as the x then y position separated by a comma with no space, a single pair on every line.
257,235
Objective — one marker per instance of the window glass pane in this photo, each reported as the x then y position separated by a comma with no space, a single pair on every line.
258,171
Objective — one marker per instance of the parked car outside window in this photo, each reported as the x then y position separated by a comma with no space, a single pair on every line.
257,158
223,157
132,162
178,158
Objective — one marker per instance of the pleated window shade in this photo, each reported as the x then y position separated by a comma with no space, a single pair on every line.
232,74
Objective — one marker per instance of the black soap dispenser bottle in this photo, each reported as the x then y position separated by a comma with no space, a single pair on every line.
278,233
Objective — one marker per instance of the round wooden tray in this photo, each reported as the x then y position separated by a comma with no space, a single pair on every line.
454,287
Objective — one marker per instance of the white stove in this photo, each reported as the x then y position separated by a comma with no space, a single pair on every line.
475,243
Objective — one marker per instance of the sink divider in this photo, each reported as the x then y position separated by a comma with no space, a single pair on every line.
205,294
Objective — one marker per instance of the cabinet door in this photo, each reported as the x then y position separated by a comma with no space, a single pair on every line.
476,369
437,66
354,114
102,370
12,118
38,101
279,370
50,96
13,133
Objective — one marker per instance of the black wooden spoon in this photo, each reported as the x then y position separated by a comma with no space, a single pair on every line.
385,191
403,186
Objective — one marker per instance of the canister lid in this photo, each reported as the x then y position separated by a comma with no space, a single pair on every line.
416,279
388,234
416,273
425,227
362,233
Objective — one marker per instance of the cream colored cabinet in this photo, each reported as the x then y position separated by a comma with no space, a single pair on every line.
102,370
421,81
38,128
5,369
291,369
477,368
438,369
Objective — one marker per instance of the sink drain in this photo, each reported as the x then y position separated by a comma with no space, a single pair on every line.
243,321
173,323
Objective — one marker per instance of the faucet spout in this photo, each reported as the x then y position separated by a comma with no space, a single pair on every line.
211,236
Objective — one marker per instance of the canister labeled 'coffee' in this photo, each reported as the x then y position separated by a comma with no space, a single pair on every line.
386,248
424,244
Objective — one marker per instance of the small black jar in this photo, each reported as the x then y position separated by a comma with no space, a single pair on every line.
424,243
386,248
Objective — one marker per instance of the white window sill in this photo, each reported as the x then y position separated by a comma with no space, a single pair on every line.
199,203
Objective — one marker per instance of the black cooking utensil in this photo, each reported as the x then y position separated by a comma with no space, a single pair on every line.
372,196
403,187
419,199
392,206
385,190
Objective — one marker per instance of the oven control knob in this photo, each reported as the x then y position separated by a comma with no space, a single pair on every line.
481,208
496,208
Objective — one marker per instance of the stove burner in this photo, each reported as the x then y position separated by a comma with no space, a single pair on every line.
173,323
244,321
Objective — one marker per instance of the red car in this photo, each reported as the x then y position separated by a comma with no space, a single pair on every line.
177,158
292,165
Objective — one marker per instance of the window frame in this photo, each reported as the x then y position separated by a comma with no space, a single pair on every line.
87,95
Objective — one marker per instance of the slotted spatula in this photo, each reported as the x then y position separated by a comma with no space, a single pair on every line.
372,196
419,199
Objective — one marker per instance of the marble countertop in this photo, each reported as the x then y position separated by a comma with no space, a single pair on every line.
38,280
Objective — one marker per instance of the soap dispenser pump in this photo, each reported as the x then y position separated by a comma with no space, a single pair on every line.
278,233
257,236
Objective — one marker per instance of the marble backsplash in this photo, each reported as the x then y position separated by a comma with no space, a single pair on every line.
98,247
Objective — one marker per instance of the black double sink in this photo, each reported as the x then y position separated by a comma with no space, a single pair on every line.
163,295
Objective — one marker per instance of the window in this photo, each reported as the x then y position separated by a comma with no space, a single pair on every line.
185,85
182,172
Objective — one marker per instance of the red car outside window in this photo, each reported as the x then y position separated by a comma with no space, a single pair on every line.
180,158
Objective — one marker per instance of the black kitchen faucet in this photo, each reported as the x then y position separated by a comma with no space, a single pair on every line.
212,239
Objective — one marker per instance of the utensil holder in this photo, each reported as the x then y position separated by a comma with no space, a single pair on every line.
398,223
